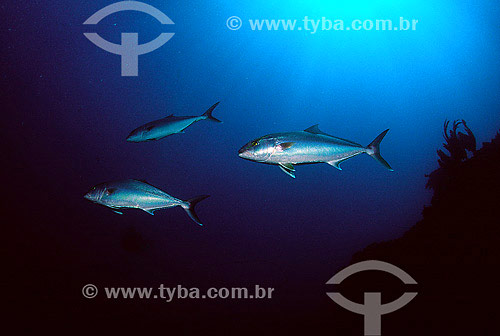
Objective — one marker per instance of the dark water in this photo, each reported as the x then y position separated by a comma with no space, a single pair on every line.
67,111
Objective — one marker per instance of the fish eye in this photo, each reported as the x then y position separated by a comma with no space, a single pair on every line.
254,143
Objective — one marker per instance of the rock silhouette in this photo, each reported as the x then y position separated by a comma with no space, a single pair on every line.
453,251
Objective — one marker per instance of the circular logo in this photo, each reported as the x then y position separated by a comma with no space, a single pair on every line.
234,23
89,291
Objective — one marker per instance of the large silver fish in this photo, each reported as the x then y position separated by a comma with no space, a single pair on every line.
161,128
308,146
134,194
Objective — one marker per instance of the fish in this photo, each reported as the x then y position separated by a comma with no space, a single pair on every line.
136,194
159,129
307,147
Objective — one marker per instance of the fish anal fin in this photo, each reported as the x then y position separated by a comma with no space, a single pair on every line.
336,164
149,211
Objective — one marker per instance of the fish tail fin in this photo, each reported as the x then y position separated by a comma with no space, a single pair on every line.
373,149
189,207
208,114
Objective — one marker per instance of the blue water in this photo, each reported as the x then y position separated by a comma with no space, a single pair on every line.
67,113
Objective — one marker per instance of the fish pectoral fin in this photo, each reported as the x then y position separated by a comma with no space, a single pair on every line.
288,169
336,164
117,212
110,191
285,145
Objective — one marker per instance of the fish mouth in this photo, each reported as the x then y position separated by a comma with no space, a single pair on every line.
131,138
241,151
134,136
244,155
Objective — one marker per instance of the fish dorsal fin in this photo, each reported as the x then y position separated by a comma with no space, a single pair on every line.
145,182
151,189
149,184
315,130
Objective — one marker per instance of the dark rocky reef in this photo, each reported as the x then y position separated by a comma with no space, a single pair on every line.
453,252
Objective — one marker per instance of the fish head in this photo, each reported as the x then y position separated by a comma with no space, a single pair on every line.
142,133
137,135
96,193
258,150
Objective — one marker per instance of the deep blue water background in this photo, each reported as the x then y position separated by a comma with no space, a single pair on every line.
67,112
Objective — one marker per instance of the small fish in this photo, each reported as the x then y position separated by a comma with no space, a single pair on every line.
308,146
159,129
135,194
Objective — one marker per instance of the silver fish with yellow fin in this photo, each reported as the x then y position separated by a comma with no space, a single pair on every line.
159,129
135,194
308,146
